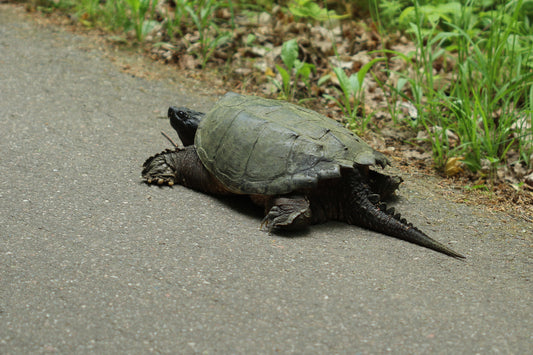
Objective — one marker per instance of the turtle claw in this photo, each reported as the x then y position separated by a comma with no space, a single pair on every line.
266,223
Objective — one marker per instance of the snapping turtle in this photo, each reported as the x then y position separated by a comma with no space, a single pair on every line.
302,167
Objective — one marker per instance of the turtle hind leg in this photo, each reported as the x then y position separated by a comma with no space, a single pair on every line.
287,213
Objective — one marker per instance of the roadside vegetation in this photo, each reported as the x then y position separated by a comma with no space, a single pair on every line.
453,78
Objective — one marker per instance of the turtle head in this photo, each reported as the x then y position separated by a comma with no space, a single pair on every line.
185,121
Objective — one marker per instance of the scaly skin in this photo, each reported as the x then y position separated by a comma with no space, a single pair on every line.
354,198
181,166
376,217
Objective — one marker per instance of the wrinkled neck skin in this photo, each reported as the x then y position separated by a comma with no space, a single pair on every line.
194,175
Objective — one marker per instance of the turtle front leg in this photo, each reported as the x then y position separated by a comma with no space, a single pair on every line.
287,212
181,166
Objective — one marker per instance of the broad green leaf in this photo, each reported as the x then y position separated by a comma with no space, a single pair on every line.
355,85
323,79
343,79
289,53
285,77
365,68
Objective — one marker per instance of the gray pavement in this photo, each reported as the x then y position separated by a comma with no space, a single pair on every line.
92,261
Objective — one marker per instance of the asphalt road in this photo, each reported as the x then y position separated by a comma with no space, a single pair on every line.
94,261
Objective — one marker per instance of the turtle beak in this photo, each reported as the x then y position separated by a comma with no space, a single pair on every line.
173,112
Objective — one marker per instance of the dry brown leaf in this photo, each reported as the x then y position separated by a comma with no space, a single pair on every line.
187,61
454,166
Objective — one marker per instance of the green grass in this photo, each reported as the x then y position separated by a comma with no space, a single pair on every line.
488,101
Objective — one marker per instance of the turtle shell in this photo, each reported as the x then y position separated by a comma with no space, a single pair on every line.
269,147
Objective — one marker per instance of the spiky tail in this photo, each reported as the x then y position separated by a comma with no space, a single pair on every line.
377,217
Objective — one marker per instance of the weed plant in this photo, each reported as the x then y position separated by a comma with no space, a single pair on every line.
210,35
294,72
351,97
